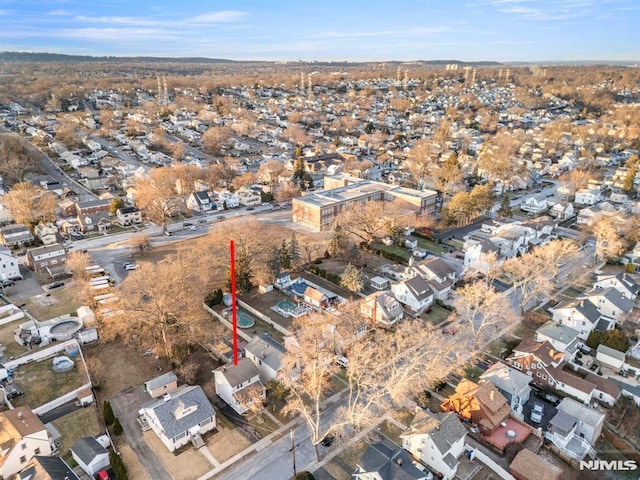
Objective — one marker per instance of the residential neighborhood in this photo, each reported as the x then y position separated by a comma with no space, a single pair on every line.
403,271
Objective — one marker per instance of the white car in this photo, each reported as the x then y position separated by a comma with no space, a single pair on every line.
536,412
131,266
193,228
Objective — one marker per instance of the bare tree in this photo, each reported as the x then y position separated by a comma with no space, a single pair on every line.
555,255
157,196
608,242
215,139
529,277
368,222
352,279
30,204
139,242
482,310
77,262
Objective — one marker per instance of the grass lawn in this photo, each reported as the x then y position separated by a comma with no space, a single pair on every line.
61,301
390,430
41,384
12,349
436,315
523,331
81,423
263,424
472,372
430,246
341,466
395,249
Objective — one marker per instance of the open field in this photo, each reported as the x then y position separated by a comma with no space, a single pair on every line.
41,384
81,423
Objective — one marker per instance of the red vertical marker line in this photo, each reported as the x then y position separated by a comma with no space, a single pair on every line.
233,302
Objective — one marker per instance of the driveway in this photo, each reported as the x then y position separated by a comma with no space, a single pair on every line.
23,289
549,412
125,407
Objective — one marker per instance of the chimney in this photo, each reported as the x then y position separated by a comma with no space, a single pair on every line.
166,397
491,395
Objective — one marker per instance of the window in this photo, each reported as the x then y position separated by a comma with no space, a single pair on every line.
23,459
24,446
36,451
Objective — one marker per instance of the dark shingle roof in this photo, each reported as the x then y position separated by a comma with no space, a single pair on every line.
419,287
55,467
390,462
88,448
237,374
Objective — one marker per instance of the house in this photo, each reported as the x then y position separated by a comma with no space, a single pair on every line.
199,202
239,385
561,210
610,303
437,440
50,258
17,234
315,297
226,200
610,358
416,294
535,359
581,315
90,455
128,216
379,283
158,386
266,354
22,436
511,383
385,461
180,416
480,255
585,196
439,273
562,338
9,269
606,391
526,465
93,206
47,233
483,405
283,280
95,222
535,205
561,432
249,198
589,421
47,468
394,272
623,282
382,308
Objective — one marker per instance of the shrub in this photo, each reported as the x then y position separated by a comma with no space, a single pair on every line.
107,413
118,466
117,427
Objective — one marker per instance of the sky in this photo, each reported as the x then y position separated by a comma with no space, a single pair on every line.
328,30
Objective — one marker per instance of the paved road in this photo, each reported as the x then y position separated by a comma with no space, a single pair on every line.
125,407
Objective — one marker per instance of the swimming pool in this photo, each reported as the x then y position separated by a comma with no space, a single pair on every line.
245,320
287,305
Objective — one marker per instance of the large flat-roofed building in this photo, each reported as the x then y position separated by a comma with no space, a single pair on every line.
319,209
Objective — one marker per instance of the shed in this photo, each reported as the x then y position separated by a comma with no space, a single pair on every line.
87,317
84,397
158,386
528,466
610,358
88,336
379,283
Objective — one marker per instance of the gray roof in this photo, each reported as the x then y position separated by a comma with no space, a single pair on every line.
506,378
184,397
438,267
383,458
55,467
17,228
266,349
237,374
581,412
419,287
444,429
563,420
160,381
560,333
611,352
585,307
88,448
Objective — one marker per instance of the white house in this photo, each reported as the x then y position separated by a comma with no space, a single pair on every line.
586,196
623,282
610,357
266,354
561,210
589,421
128,216
199,202
249,198
227,199
180,417
239,385
416,294
562,337
22,436
47,233
382,308
9,269
535,204
437,440
439,273
581,315
610,302
511,383
90,455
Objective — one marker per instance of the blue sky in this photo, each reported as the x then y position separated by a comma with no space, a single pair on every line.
502,30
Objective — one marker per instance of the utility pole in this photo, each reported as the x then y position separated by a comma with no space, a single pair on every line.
293,451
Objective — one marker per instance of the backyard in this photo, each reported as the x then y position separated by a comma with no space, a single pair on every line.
53,303
81,423
11,347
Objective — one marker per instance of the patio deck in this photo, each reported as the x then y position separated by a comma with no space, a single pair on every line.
500,439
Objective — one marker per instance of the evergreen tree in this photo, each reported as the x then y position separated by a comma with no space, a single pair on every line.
628,182
118,466
107,413
117,427
505,207
294,250
273,263
285,259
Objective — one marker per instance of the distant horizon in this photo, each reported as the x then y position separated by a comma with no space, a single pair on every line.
628,62
355,31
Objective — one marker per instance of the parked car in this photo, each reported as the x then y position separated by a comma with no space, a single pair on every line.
193,228
537,412
327,441
250,208
584,349
548,396
168,233
56,284
202,220
131,266
8,283
188,224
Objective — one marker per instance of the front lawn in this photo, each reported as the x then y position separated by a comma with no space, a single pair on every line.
431,246
394,249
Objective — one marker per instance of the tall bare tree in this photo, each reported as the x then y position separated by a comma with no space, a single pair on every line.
529,277
608,242
157,196
370,221
30,204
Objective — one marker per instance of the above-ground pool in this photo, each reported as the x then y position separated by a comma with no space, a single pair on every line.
65,330
245,320
287,305
299,288
62,364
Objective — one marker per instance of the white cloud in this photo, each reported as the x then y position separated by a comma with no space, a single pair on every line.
4,12
225,16
59,13
119,34
382,33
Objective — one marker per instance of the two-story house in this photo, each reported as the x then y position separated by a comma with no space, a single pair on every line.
128,216
575,428
239,385
385,460
226,200
622,281
180,417
535,359
437,440
610,303
415,294
381,308
439,273
22,436
581,315
585,196
512,384
9,269
249,198
17,234
199,202
47,259
561,210
47,233
266,354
